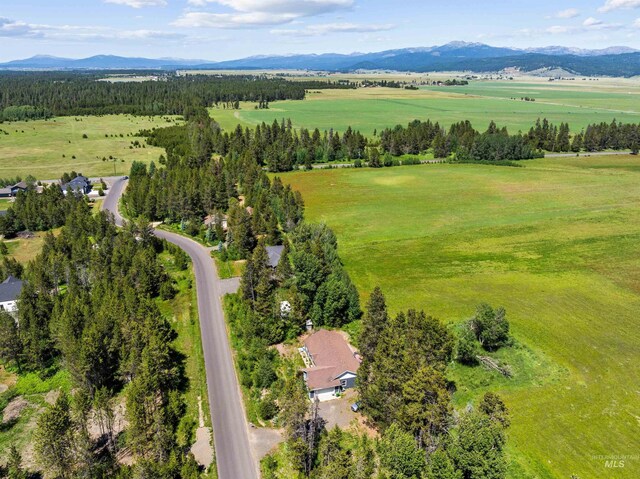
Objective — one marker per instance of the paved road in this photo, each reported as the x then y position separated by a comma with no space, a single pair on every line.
586,153
233,454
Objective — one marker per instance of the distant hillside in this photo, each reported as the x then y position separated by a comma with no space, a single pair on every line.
457,56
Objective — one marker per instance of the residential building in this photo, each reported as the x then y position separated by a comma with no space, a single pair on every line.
78,185
331,364
10,290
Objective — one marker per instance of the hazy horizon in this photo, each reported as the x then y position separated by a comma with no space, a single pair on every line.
216,30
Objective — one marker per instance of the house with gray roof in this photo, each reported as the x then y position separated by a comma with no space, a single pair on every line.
10,290
78,185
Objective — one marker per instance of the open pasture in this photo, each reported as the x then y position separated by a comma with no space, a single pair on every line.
555,243
577,102
46,148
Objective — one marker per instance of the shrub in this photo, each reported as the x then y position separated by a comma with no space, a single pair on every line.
491,327
167,291
267,408
467,350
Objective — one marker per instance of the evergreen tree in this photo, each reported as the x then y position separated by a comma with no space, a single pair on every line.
53,440
400,458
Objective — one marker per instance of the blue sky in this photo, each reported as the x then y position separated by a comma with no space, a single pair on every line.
225,29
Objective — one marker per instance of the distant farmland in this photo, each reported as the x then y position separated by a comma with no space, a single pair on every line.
46,148
556,244
577,102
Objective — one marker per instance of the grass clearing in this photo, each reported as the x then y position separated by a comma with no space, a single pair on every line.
183,314
556,244
23,249
367,109
37,147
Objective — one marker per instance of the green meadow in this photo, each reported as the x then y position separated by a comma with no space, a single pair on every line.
577,102
556,244
46,148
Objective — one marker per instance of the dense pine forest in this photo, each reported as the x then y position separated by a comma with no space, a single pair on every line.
40,95
89,304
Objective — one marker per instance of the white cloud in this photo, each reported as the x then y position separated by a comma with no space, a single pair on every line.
229,20
12,28
251,13
592,22
636,24
139,3
323,29
617,4
595,24
568,13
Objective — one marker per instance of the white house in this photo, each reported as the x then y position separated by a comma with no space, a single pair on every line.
10,290
331,365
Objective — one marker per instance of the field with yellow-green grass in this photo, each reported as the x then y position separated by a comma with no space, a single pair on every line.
46,149
368,109
556,244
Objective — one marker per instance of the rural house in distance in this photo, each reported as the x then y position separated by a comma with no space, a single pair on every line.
10,290
331,364
78,185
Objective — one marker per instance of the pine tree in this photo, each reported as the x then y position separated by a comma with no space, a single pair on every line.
53,439
11,347
374,322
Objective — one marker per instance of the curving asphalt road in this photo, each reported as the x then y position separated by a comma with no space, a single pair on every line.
233,453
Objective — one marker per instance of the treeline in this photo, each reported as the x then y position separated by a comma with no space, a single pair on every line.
84,93
496,144
43,211
278,147
21,113
461,139
90,303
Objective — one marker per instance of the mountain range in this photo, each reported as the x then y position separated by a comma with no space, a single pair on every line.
454,56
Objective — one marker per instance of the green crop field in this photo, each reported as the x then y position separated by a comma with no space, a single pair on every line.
578,103
37,147
556,243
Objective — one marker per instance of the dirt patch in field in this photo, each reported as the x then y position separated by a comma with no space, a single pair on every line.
13,409
52,396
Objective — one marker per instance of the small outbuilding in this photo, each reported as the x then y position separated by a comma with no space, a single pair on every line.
274,253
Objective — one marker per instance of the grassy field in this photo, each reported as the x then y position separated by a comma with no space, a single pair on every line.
37,147
556,244
367,109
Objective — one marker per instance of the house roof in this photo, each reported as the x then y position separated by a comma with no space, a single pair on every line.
22,185
5,191
332,356
274,253
10,289
79,182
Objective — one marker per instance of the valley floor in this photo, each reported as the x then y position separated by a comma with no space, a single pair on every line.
555,243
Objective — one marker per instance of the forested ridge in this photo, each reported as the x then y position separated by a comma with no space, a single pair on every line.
31,95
